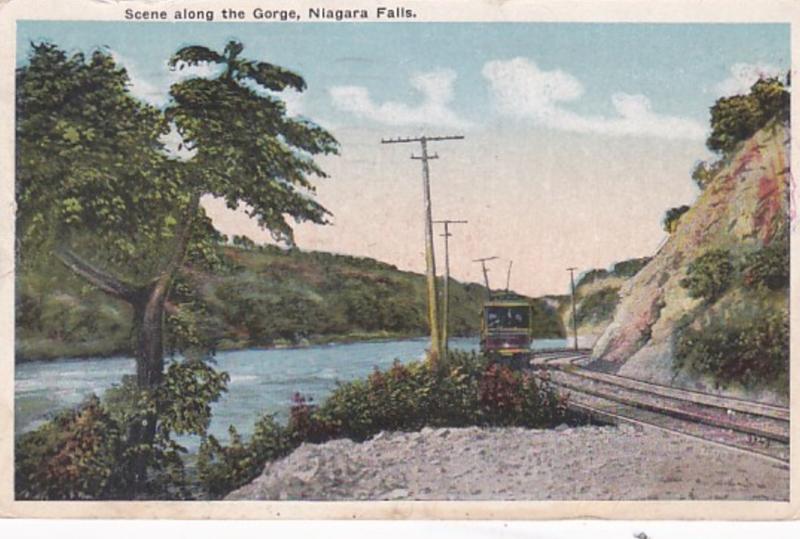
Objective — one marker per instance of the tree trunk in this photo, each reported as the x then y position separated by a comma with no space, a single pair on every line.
150,342
149,313
149,304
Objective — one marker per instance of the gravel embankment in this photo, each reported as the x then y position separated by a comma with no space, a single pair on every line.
584,463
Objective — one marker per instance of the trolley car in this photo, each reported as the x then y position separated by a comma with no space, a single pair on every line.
506,331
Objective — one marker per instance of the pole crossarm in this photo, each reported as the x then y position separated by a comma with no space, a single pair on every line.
403,140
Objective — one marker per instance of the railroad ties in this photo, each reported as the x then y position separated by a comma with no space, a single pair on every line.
753,427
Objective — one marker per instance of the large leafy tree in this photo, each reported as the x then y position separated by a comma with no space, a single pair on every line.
97,190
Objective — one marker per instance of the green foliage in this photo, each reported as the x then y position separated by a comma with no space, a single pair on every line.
629,268
709,275
410,396
671,218
598,306
72,457
625,269
244,242
222,468
768,267
591,276
184,399
97,190
736,118
97,451
90,168
545,320
703,173
248,151
747,345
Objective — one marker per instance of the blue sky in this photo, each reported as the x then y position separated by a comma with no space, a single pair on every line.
674,65
570,118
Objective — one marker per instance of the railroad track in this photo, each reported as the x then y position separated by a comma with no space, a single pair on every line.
752,427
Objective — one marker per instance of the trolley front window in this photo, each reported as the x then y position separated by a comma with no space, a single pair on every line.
508,317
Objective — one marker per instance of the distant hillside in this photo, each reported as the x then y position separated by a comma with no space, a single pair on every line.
266,296
710,310
596,298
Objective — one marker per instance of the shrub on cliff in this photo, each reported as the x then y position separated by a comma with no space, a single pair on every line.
768,267
748,345
598,305
736,118
630,267
709,275
671,218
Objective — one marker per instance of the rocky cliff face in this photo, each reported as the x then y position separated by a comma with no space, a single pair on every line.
743,207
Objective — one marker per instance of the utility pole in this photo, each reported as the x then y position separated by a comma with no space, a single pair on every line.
430,260
574,316
446,299
483,262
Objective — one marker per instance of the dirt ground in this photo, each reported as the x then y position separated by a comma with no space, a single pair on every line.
582,463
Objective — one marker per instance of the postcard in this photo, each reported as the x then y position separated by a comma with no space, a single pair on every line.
437,260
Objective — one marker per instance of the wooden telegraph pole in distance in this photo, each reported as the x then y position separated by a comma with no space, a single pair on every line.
574,316
430,261
446,299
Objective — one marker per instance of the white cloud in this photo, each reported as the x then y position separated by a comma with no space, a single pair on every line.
294,101
743,76
153,86
519,88
435,87
141,87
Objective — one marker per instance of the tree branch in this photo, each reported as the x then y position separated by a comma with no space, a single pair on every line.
184,234
106,282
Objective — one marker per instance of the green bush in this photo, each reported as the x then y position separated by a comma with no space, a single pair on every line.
749,346
468,390
768,267
591,276
407,397
598,305
709,275
97,452
736,118
703,173
671,218
72,457
629,268
222,469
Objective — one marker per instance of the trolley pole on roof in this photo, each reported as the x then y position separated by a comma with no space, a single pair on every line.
483,262
574,316
508,274
446,299
430,260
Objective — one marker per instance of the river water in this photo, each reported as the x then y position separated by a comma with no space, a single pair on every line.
262,381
